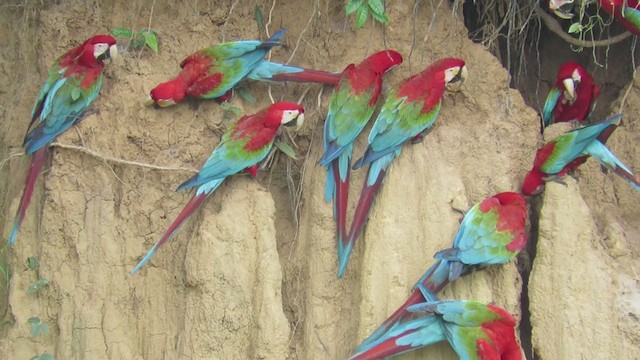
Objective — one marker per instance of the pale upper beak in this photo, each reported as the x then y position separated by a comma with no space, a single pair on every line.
113,51
299,121
456,83
570,89
149,101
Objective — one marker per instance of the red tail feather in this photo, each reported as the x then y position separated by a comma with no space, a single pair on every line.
627,176
342,196
37,161
367,196
188,210
309,75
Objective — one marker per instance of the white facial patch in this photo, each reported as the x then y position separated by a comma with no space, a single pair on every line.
99,49
451,73
289,115
576,76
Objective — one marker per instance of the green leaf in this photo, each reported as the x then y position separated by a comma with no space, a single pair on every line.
353,5
33,262
381,18
151,39
228,107
575,27
259,18
45,356
75,94
287,149
37,286
376,7
34,320
361,16
39,328
122,32
246,95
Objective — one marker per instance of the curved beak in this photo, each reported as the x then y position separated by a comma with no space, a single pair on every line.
148,102
570,89
562,8
298,121
456,83
113,51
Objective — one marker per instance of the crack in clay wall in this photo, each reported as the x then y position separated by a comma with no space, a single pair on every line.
236,282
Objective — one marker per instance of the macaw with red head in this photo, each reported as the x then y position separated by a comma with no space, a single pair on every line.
241,148
212,72
572,97
627,12
74,83
406,117
564,154
352,104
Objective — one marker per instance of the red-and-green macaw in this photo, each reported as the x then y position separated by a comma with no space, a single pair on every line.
572,98
74,83
352,104
212,72
567,152
241,148
491,232
625,11
475,331
407,115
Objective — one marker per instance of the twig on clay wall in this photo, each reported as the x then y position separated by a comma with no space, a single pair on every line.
553,25
121,161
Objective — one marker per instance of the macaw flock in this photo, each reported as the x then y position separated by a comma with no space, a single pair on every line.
491,232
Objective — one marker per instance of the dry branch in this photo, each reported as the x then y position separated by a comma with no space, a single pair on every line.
121,161
554,26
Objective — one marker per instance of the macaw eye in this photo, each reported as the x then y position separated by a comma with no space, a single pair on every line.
99,49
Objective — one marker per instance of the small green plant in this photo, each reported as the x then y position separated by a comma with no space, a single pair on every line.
45,356
286,149
259,19
33,263
363,8
5,273
38,327
230,110
36,286
138,40
40,283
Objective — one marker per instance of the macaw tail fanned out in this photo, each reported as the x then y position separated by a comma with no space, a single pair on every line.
37,162
188,210
367,197
412,335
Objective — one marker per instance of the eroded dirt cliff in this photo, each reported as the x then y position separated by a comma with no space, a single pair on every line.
247,278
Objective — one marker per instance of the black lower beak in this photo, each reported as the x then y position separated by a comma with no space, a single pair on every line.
292,122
